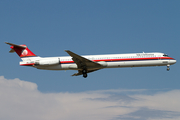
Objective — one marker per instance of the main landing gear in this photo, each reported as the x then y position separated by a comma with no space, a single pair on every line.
84,72
168,67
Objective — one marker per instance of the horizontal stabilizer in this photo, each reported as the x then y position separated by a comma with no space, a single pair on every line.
15,45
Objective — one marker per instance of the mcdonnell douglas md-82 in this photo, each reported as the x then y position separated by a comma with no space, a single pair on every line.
90,63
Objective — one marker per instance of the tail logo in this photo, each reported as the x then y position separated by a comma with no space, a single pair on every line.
25,52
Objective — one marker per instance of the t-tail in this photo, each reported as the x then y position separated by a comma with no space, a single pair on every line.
21,50
27,56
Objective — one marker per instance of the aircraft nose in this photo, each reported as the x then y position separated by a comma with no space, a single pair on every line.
173,61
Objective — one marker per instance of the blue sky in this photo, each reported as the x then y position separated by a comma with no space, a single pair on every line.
93,27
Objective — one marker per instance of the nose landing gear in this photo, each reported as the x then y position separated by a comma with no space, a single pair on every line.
168,67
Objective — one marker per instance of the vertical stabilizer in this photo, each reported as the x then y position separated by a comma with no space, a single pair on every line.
21,50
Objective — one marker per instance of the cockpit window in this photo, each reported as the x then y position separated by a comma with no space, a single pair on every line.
165,55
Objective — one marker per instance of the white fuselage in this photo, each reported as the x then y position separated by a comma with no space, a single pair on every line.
107,61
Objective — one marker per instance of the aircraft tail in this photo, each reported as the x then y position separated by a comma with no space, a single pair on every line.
21,50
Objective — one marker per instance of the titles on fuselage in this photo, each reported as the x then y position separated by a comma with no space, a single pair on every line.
144,54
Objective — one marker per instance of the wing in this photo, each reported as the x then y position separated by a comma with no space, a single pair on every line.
84,63
80,72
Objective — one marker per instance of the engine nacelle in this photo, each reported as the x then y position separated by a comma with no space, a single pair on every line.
47,62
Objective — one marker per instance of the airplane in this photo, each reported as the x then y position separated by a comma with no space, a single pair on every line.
90,63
